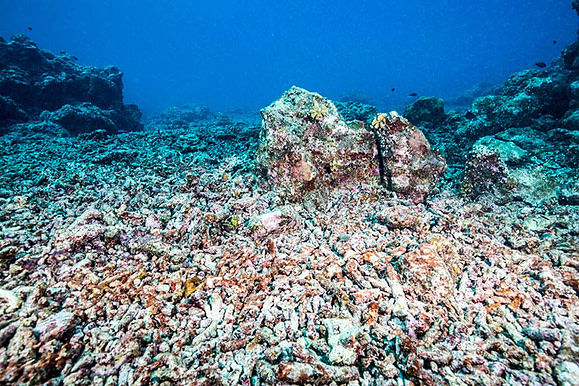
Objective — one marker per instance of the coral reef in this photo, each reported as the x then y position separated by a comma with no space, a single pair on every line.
527,131
164,256
33,80
160,256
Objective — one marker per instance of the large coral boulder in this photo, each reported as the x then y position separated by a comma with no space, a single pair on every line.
426,111
306,145
410,167
524,164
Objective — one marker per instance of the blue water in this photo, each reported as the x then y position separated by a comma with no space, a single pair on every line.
231,54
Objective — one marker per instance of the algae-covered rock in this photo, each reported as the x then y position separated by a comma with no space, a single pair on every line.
306,145
522,164
525,97
411,168
485,172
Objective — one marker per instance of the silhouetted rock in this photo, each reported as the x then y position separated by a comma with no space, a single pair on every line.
355,96
465,100
571,56
571,120
425,111
36,80
10,111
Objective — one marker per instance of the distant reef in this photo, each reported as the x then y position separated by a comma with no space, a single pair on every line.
36,85
519,143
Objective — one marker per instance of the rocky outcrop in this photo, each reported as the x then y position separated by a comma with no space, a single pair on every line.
82,118
86,117
10,111
33,81
306,145
518,143
464,100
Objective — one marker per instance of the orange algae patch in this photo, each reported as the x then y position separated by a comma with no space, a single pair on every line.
192,285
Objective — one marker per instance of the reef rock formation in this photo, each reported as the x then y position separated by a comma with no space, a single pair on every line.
306,145
485,172
82,118
410,167
33,80
468,96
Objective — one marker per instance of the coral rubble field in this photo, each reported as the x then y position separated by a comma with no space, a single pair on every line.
324,244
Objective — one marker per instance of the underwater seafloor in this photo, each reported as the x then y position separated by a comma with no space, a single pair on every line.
322,243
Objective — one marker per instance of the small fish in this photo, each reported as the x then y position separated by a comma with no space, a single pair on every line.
393,89
413,94
541,64
554,42
469,115
29,28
